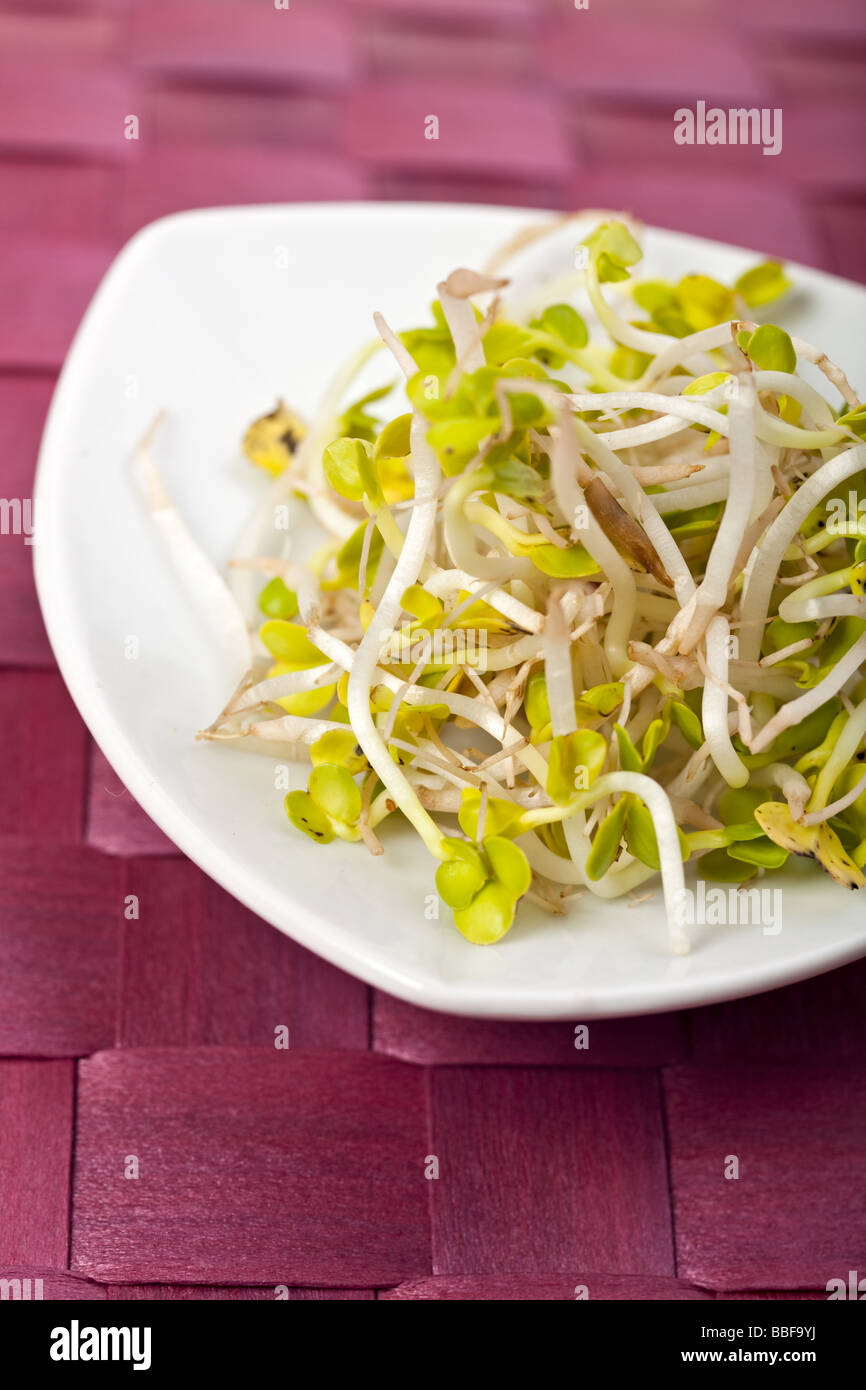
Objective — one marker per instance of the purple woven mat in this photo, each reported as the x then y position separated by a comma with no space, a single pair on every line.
313,1168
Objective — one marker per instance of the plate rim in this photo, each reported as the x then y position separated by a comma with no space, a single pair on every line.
468,997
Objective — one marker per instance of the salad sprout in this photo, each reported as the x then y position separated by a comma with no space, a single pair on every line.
586,610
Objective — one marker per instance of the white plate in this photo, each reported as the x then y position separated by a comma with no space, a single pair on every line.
212,315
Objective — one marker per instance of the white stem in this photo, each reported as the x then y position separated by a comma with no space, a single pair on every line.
795,609
796,710
843,751
792,784
292,683
766,558
440,583
670,857
714,707
816,817
200,578
713,589
426,470
571,500
719,335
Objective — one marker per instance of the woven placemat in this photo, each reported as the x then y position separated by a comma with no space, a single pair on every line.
153,1142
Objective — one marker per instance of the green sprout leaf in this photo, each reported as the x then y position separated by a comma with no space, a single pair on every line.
276,601
536,704
488,916
431,347
718,867
737,805
702,384
601,699
390,460
761,852
421,605
703,301
349,558
357,422
743,830
627,363
670,321
855,421
558,334
762,284
504,341
305,815
640,835
771,349
461,875
576,760
289,644
509,864
571,563
516,479
688,723
500,817
565,323
339,747
394,440
612,250
456,441
630,759
606,841
653,295
344,463
305,702
654,737
335,793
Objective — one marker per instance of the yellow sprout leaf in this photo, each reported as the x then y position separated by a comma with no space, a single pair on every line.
306,702
397,482
392,448
488,916
289,644
815,841
271,440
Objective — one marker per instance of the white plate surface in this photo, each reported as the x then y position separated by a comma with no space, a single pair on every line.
212,315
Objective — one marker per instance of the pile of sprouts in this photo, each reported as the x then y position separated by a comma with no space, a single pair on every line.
592,600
